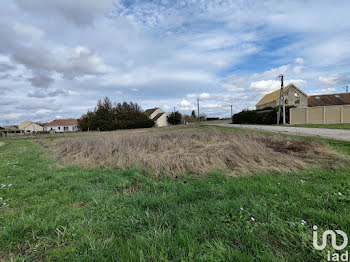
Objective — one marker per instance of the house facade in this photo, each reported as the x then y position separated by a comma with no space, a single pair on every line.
293,97
62,125
33,128
22,125
158,116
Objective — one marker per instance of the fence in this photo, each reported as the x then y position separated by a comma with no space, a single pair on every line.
320,115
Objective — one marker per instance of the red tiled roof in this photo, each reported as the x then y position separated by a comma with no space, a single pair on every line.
63,122
328,100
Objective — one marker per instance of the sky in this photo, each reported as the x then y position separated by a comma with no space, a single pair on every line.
59,57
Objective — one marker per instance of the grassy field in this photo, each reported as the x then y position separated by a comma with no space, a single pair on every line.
332,126
53,212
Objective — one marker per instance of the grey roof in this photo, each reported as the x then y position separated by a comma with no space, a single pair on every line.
150,111
158,116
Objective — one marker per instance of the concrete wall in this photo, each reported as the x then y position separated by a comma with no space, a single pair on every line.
320,115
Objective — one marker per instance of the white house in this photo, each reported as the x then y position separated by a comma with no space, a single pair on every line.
62,125
158,116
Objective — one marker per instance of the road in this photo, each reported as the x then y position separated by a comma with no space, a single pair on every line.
338,134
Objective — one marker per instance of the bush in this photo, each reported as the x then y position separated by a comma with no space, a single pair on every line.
212,118
266,116
107,117
175,118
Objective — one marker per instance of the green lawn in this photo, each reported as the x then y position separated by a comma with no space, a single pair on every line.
332,126
69,213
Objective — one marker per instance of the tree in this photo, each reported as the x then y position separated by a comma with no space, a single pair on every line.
175,118
193,114
107,117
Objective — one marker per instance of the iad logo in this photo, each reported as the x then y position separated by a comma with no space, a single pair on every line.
332,256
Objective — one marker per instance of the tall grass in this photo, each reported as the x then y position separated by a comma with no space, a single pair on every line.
195,151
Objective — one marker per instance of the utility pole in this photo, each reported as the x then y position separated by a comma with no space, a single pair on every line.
231,111
174,109
198,109
281,103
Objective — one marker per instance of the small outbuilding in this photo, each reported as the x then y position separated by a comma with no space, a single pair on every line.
158,116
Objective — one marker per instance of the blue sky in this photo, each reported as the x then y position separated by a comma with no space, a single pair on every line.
57,58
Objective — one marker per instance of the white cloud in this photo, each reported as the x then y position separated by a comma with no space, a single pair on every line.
323,91
184,103
299,60
80,12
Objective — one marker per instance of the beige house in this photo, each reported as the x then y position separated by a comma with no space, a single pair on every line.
29,127
21,126
293,96
33,127
158,116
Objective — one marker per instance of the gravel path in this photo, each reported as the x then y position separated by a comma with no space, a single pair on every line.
339,134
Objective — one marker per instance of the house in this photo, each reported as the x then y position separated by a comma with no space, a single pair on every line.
158,116
293,96
62,125
21,126
13,128
33,128
329,100
30,127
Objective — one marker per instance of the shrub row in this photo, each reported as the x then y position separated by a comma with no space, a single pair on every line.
266,116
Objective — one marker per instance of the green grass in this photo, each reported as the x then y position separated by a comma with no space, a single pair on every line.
68,213
332,126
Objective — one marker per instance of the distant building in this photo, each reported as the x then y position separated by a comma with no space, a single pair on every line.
30,127
21,126
62,125
33,128
293,96
158,116
329,100
11,128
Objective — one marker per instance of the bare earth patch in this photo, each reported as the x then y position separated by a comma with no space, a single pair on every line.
195,151
2,143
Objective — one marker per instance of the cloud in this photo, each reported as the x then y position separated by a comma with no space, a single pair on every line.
41,80
323,91
6,67
201,96
47,93
169,51
185,103
80,12
337,79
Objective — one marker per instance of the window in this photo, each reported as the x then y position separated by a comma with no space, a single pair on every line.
66,128
297,98
59,128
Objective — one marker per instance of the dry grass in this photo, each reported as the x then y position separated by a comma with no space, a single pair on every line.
195,151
